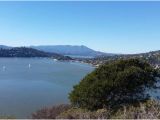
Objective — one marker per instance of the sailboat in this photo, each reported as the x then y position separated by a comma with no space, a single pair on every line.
55,60
29,66
4,68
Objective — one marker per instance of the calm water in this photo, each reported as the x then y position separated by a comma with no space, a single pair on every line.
30,84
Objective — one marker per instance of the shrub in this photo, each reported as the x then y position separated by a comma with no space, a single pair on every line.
115,84
148,110
7,117
50,113
78,113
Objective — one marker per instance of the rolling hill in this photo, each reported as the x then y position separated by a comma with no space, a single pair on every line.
30,52
70,50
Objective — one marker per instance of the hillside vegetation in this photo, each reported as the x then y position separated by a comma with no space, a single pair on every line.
115,84
152,58
29,52
114,90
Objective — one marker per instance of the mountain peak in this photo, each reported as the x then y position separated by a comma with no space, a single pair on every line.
74,50
79,50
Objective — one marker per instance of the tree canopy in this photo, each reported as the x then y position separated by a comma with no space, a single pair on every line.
114,84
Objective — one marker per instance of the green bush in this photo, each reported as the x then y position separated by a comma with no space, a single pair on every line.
114,84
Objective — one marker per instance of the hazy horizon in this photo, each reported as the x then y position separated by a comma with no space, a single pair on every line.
111,27
79,45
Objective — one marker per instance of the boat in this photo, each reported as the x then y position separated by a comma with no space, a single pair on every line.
29,66
4,68
55,60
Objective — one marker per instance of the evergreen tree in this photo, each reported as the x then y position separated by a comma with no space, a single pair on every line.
115,84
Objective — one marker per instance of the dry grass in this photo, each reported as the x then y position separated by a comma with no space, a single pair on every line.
78,113
147,110
50,113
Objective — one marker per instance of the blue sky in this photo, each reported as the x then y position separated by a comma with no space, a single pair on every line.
114,27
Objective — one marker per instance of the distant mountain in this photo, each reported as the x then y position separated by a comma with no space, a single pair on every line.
5,47
29,52
70,50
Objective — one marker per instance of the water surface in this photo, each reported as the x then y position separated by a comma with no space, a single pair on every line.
28,84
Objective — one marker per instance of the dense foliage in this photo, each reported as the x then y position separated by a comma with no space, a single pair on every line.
115,84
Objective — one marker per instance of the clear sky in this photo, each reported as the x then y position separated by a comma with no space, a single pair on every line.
114,27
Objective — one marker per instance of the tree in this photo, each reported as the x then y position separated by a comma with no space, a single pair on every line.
115,84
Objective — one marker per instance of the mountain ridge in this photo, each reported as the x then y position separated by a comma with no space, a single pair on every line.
29,52
79,50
